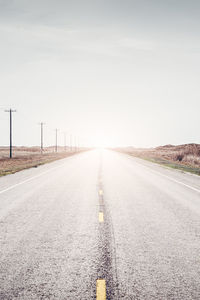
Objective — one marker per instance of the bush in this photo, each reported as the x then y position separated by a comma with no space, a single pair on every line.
180,156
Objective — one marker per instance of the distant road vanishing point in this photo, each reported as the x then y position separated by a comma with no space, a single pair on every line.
100,225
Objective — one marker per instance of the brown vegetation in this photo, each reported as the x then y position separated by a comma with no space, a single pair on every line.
24,158
183,155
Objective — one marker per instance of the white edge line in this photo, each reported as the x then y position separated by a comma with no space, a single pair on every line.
29,179
170,178
177,181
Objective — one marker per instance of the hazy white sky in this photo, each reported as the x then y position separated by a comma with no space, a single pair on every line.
114,72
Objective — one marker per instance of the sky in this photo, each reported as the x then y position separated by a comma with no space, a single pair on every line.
110,72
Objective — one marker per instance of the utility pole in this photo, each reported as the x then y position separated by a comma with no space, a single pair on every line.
56,146
10,111
65,147
71,143
41,136
75,143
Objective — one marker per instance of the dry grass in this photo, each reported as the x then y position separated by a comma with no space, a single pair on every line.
184,157
24,158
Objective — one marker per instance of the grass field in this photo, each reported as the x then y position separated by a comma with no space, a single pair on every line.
24,158
182,157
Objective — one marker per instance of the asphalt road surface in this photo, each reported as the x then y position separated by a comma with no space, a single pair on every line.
100,225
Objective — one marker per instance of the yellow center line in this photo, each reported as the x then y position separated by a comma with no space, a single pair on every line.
100,192
101,289
101,217
101,201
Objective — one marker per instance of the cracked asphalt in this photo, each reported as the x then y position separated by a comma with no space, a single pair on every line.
100,216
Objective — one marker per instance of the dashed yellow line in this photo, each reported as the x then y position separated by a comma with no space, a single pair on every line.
101,217
101,289
101,202
100,192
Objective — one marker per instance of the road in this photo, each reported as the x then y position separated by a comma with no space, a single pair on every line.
100,225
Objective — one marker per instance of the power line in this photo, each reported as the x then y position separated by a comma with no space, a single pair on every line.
41,136
73,143
10,111
56,145
65,144
71,149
